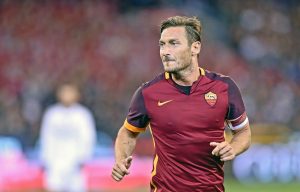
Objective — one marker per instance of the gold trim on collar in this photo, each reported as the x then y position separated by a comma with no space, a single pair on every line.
202,72
167,75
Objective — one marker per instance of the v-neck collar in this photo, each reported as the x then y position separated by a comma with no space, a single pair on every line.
183,89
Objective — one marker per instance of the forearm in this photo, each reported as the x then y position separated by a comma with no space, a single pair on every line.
125,144
241,140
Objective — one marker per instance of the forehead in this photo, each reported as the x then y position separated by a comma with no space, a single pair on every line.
173,33
67,89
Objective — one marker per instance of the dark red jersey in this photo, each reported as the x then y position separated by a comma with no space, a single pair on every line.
183,123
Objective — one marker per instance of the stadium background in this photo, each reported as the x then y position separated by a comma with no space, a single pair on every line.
110,47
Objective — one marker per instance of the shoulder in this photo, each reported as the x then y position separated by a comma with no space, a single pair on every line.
217,76
82,109
53,108
147,87
213,76
150,84
159,78
52,111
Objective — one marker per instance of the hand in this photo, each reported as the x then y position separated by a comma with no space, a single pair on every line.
120,169
224,150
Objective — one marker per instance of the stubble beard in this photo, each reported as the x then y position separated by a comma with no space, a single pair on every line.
178,68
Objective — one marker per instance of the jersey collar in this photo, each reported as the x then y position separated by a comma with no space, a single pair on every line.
202,73
168,77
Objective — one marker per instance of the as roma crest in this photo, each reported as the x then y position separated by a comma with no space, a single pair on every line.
211,98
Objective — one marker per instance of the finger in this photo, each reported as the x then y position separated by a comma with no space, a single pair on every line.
118,170
228,158
226,149
226,154
219,147
117,176
229,154
214,144
123,168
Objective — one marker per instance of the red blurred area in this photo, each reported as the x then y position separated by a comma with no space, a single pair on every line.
18,174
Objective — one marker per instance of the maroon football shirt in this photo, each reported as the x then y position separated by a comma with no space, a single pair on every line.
182,125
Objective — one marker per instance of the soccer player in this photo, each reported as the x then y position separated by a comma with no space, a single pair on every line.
186,108
68,135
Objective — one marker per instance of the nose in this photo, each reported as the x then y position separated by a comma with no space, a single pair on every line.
164,51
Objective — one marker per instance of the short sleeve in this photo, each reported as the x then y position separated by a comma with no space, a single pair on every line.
236,115
137,118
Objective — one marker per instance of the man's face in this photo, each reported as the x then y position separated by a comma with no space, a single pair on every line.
175,52
68,95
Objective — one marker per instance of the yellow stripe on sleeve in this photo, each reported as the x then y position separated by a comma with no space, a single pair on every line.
133,128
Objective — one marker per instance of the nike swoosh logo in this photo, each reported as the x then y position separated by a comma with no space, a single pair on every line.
163,103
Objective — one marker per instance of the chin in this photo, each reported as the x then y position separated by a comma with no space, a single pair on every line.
170,70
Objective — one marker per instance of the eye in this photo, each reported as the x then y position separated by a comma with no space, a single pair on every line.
174,43
161,44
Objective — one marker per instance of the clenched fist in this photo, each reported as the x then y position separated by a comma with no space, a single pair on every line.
120,169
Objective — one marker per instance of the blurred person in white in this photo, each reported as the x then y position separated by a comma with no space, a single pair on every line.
67,139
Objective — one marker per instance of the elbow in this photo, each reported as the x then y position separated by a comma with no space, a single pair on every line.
248,145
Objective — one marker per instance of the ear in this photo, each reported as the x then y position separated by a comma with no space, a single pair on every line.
196,47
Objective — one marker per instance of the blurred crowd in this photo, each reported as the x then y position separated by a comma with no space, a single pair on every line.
109,48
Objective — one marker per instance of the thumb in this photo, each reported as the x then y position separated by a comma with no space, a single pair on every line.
128,161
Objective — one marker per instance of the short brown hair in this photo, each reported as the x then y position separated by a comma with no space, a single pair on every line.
192,26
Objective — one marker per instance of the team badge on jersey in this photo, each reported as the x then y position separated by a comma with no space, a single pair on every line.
211,98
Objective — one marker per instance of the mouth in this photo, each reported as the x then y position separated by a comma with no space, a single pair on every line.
168,60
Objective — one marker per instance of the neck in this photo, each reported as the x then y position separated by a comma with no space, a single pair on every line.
187,76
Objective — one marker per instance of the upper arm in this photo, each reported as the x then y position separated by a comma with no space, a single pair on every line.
236,115
137,118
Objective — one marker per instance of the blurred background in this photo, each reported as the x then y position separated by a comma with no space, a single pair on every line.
110,47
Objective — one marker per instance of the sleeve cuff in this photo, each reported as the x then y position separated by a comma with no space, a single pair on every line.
242,124
133,128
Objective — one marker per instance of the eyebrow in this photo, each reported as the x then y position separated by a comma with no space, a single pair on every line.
160,41
170,40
